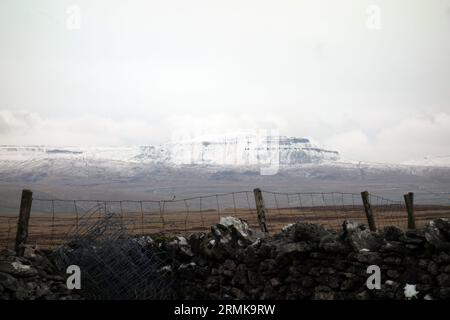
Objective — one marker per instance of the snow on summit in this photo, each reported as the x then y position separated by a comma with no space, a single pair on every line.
219,150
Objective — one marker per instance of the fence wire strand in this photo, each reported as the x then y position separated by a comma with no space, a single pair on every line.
53,221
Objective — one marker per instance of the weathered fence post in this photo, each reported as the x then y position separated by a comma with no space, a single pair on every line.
260,209
409,202
368,210
22,223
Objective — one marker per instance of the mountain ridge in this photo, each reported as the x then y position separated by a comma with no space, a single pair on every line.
238,151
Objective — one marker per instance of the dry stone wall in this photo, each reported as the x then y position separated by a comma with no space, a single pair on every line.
232,261
32,277
306,261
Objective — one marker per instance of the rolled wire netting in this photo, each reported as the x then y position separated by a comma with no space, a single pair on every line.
115,264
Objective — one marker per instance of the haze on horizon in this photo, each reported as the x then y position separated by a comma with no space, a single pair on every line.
115,73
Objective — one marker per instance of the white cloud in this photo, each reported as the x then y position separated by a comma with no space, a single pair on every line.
412,138
30,129
353,145
91,130
187,125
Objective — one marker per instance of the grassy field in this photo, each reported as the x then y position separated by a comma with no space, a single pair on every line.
46,229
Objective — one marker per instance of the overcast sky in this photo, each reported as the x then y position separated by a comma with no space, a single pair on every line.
375,87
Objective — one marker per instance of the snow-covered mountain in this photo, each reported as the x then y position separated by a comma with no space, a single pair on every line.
201,166
240,150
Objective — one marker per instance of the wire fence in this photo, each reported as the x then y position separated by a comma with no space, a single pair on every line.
330,209
53,221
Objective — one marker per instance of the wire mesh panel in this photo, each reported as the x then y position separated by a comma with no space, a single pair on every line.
388,212
115,264
329,209
430,205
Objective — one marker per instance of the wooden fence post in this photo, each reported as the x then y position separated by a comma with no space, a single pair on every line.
260,210
368,210
22,223
409,202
